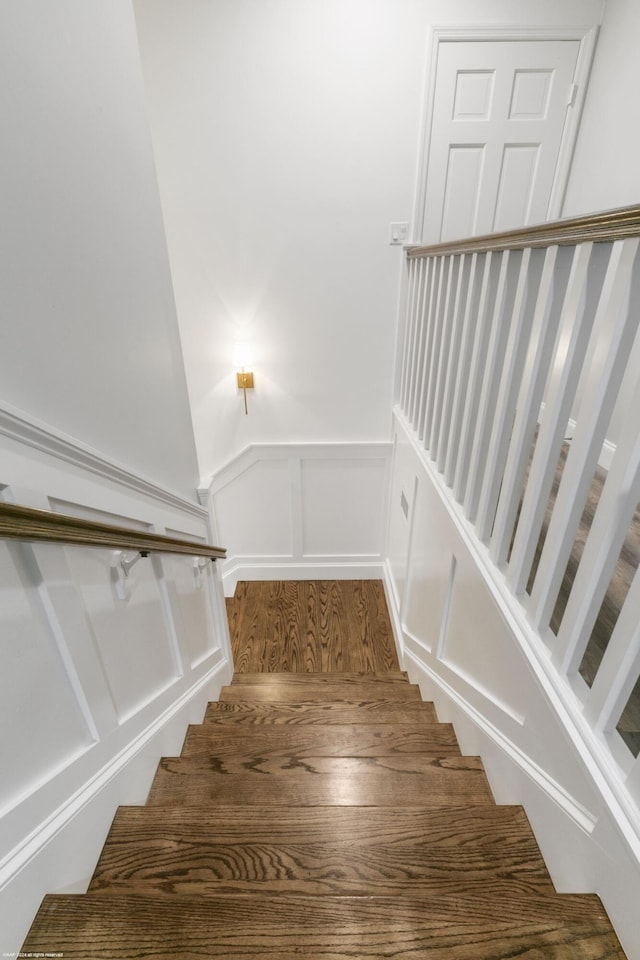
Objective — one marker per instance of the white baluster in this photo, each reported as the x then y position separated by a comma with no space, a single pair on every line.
453,361
463,366
501,305
614,332
543,330
480,338
576,321
529,274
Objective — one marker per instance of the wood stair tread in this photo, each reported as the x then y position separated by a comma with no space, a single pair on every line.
402,780
250,711
119,927
342,850
327,817
344,677
236,823
320,690
353,740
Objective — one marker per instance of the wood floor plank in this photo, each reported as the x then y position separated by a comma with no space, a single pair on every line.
312,625
277,692
99,927
330,740
414,852
309,712
319,781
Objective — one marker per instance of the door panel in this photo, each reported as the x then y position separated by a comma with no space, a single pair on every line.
497,124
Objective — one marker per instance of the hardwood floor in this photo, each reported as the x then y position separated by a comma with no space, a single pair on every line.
311,626
322,815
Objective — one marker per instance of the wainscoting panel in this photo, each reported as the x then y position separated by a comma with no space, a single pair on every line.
472,617
400,512
431,570
131,634
341,507
253,510
301,511
101,672
190,583
42,727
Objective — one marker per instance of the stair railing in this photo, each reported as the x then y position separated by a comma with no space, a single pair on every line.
26,523
519,349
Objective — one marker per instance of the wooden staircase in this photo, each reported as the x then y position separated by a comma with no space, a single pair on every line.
323,816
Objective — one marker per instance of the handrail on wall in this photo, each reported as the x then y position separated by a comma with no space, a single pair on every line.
597,227
27,523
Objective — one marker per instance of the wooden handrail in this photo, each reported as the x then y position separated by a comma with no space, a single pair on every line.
27,523
598,228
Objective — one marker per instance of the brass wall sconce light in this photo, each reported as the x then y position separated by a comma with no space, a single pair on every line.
244,377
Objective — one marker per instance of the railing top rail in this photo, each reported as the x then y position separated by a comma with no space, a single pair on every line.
598,228
26,523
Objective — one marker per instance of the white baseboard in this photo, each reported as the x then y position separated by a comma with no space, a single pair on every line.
278,569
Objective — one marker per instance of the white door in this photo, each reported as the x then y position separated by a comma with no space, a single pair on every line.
497,125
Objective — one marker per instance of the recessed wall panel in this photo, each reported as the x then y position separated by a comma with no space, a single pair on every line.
131,634
253,512
464,175
41,724
342,507
190,585
429,570
478,644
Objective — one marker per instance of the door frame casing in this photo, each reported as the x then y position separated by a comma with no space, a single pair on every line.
586,37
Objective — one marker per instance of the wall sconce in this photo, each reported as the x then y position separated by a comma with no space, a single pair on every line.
242,358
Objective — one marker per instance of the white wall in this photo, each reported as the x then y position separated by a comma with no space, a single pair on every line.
604,174
89,335
286,135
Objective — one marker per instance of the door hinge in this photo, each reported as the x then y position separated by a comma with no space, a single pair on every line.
573,93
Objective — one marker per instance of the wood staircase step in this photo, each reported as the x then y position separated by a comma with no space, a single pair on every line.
345,851
321,740
322,817
380,680
277,692
248,712
318,781
119,927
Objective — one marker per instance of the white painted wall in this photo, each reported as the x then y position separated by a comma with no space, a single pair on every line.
604,174
90,342
286,136
605,167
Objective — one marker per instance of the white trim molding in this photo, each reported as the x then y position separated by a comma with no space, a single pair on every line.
30,432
